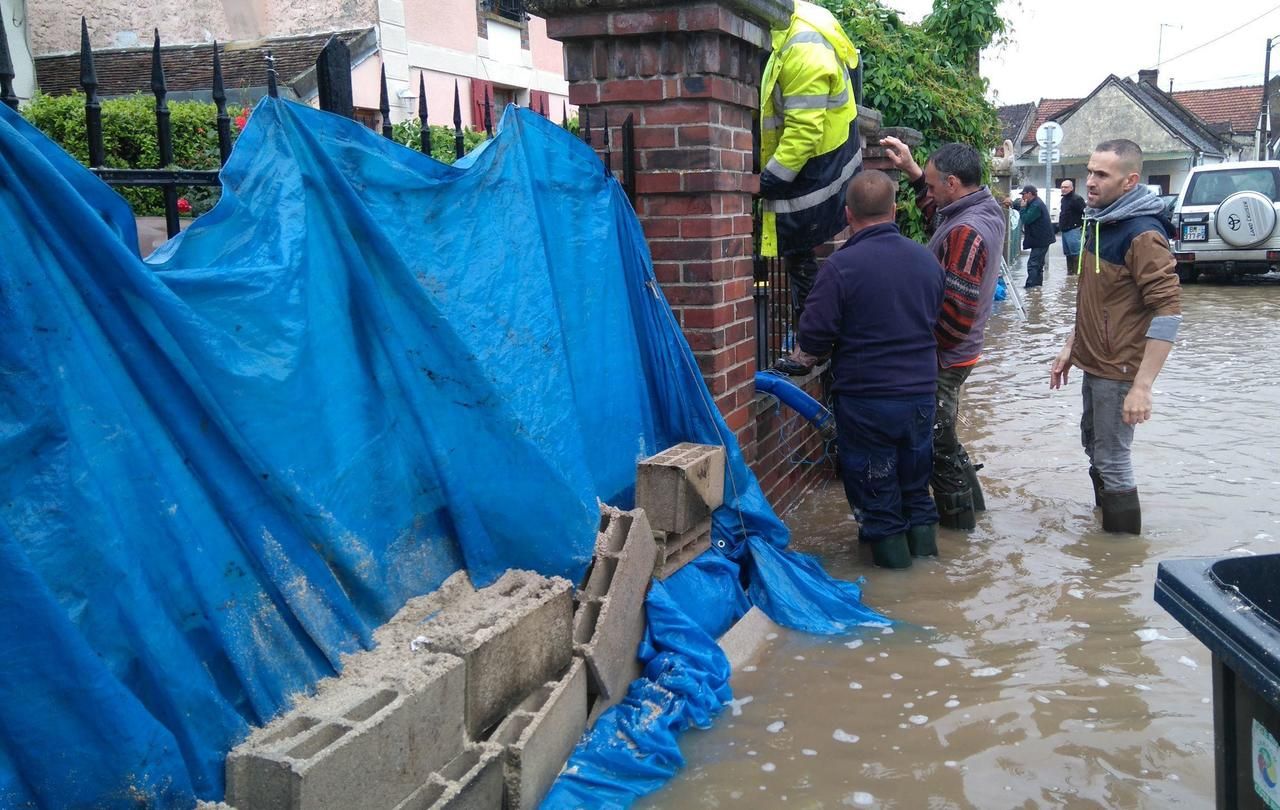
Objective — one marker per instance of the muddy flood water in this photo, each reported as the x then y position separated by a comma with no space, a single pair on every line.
1030,666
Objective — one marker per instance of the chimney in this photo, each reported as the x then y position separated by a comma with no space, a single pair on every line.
1150,77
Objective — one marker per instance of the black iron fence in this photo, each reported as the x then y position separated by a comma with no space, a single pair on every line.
333,77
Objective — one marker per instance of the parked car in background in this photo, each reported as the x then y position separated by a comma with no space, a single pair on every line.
1225,220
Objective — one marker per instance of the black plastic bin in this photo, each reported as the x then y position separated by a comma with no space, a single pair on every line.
1232,605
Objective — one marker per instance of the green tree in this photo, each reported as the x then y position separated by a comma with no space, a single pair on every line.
925,76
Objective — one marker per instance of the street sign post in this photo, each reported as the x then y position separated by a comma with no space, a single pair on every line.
1049,135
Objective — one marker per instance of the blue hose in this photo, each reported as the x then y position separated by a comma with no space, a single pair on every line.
800,402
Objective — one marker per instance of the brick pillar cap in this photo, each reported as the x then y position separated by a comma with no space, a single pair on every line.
773,13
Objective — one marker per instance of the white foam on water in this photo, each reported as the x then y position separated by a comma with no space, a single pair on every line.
871,659
888,631
1092,710
887,695
768,767
931,693
808,752
951,704
859,799
1042,699
884,655
752,753
1075,593
1187,662
751,668
774,728
799,657
1103,682
1142,687
942,662
918,719
986,672
1152,634
736,704
908,705
895,677
951,763
771,637
853,645
843,736
854,685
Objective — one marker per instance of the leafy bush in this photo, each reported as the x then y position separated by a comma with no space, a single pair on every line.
925,76
443,147
130,140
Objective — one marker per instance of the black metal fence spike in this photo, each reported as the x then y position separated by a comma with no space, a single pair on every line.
157,69
488,114
273,88
459,147
92,107
384,106
164,136
220,101
333,78
422,114
7,73
629,156
564,114
608,153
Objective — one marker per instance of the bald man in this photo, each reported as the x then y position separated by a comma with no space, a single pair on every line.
873,308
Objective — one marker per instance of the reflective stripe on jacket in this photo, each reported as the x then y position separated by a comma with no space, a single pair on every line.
808,130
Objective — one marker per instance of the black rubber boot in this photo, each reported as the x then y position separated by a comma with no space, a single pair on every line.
955,510
923,540
975,485
1096,477
891,552
1121,512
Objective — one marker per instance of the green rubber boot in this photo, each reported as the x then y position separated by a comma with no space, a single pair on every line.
955,510
1121,512
1096,477
891,552
923,540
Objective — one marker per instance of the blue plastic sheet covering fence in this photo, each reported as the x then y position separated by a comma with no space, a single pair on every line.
362,371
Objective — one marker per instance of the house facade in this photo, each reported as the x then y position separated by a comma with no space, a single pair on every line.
482,47
1173,138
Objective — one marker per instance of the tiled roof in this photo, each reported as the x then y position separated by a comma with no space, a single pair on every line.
188,68
1187,126
1012,117
1235,106
1048,109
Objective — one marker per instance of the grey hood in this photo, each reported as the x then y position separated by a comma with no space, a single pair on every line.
1137,203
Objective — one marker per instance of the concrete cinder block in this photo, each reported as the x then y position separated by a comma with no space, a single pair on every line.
472,781
742,642
367,739
610,618
514,636
676,549
540,735
680,487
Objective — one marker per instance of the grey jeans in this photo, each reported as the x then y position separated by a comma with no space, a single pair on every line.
1105,436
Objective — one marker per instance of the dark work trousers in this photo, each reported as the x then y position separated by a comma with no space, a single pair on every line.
950,461
886,453
802,269
1035,266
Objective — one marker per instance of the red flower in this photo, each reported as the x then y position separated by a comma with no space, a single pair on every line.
184,207
242,119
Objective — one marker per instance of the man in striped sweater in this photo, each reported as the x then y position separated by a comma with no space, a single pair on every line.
968,228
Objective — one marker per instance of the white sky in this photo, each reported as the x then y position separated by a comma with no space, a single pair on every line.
1065,48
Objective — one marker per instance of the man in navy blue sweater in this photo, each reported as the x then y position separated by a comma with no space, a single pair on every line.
873,308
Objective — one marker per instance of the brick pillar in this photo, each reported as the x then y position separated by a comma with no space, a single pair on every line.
688,73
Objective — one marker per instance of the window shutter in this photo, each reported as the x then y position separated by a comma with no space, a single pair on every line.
478,88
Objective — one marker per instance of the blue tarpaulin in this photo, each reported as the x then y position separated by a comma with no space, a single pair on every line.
362,371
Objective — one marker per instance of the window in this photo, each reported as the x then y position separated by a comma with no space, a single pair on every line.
1161,180
1211,188
510,9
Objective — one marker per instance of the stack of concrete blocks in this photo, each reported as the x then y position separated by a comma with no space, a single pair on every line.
418,722
610,619
678,489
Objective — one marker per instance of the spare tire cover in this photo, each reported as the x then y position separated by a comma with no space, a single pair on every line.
1245,218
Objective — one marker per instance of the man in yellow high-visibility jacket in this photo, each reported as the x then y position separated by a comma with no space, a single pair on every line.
809,141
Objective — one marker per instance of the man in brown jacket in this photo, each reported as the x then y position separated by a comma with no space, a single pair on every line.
1128,309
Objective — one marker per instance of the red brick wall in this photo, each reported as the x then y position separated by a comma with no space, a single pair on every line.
789,452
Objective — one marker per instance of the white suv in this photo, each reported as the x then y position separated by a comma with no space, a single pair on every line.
1225,220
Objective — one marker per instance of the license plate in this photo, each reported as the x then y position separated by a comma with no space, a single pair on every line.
1195,233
